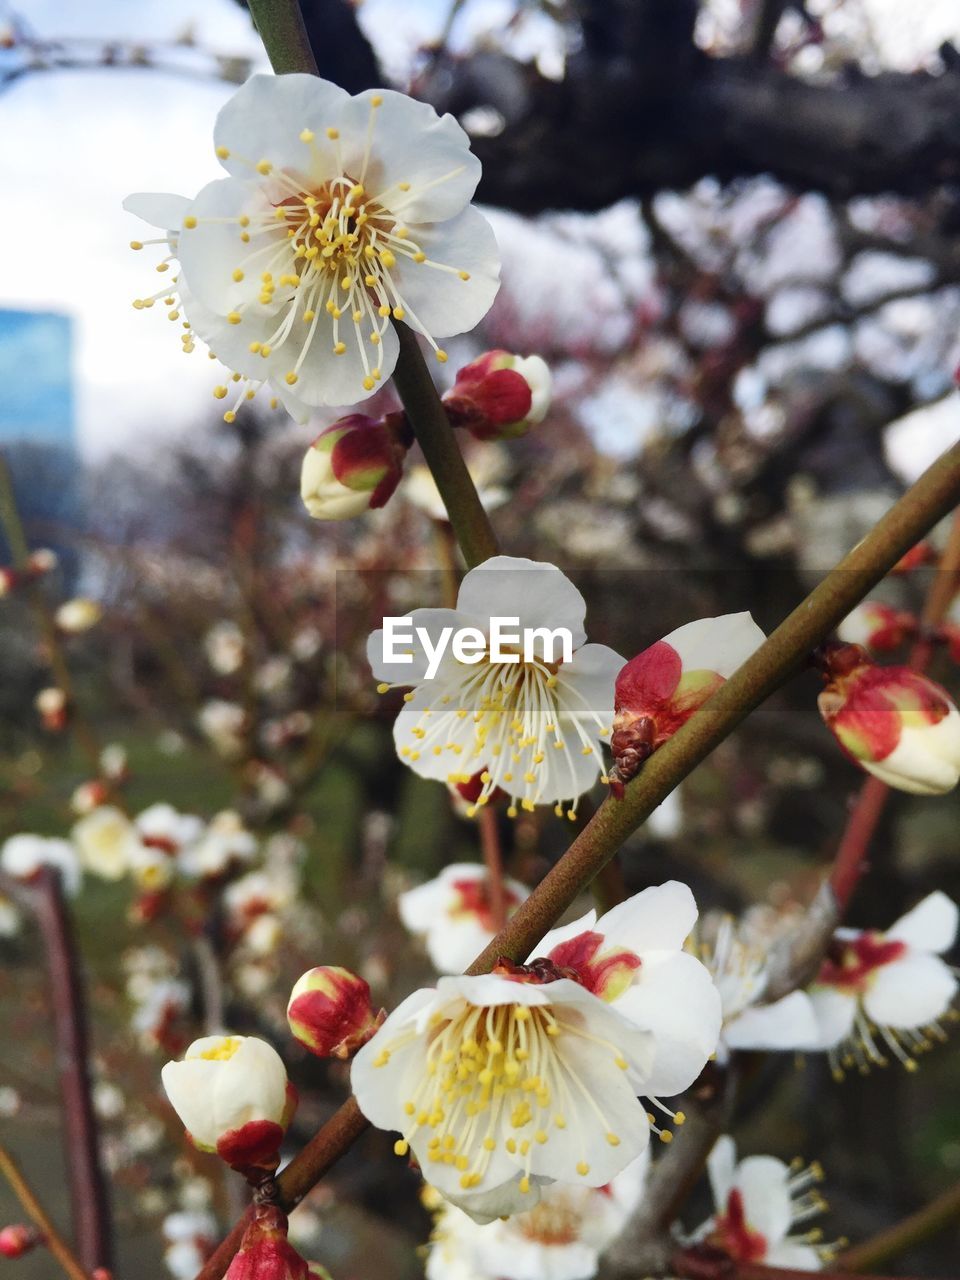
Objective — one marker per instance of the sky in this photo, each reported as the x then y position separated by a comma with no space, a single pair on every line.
73,144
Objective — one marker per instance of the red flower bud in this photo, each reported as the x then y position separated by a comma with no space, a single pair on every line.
878,627
9,581
892,721
330,1012
18,1239
265,1252
354,465
500,396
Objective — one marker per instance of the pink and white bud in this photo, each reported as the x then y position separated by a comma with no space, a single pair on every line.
41,561
878,627
330,1012
500,396
89,796
52,705
265,1252
9,581
18,1239
354,466
894,722
659,690
234,1098
78,615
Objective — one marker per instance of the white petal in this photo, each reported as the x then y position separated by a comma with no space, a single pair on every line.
212,250
410,144
716,644
453,945
451,732
442,302
492,989
534,591
766,1197
721,1167
252,1085
189,1085
328,379
660,918
497,1202
382,1091
563,774
586,685
420,907
789,1023
431,621
910,992
835,1012
930,926
798,1257
265,117
674,997
160,209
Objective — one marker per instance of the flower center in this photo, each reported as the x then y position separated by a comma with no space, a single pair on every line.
473,899
851,964
735,1236
223,1050
552,1222
498,1076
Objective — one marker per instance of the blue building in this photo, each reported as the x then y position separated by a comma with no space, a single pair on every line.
37,423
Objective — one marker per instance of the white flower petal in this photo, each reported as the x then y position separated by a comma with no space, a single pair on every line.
431,621
410,144
910,992
439,301
721,1168
798,1257
673,996
211,251
585,924
586,685
160,209
265,117
716,644
534,591
762,1181
328,379
835,1012
789,1023
660,918
930,926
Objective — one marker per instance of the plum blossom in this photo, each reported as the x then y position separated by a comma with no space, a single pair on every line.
532,728
354,466
339,215
23,855
190,1237
891,721
233,1097
74,616
878,627
453,914
661,688
500,396
225,648
107,842
330,1012
739,961
892,987
531,1074
560,1238
225,844
163,827
758,1203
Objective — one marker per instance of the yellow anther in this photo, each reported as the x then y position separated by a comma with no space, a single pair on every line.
244,220
333,134
264,167
398,313
464,275
409,697
666,1136
404,186
234,317
442,356
355,192
230,416
383,310
524,1184
290,378
387,258
339,348
383,688
306,135
136,244
613,1140
162,266
400,1147
375,339
368,384
245,237
583,1168
223,153
189,222
265,350
309,315
237,274
680,1118
420,256
219,392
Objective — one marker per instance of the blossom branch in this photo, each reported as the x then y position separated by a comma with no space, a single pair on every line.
934,494
280,26
88,1196
941,1212
493,861
38,1215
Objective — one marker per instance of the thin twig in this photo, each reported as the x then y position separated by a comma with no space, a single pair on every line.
493,861
940,1213
88,1192
52,1238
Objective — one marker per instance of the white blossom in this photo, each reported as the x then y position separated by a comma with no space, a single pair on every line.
453,913
23,855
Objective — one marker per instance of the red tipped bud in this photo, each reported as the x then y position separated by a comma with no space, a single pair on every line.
353,466
661,688
330,1012
265,1252
892,721
500,396
52,705
877,627
9,581
17,1239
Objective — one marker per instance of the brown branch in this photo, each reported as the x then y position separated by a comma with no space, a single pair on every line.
52,1238
493,861
942,1212
88,1194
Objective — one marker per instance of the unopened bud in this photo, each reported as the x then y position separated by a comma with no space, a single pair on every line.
354,466
500,396
265,1252
9,581
78,615
330,1012
52,705
233,1097
892,721
661,688
89,796
878,627
18,1239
